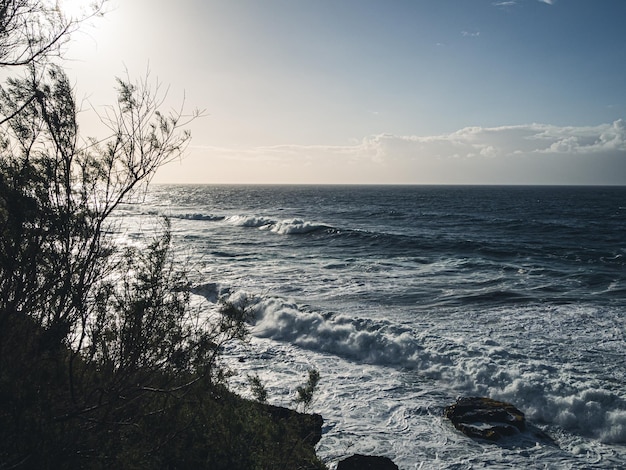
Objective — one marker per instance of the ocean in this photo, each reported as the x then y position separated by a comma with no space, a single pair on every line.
407,297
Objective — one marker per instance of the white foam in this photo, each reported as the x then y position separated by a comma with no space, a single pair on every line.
248,221
294,227
283,227
482,366
363,340
404,344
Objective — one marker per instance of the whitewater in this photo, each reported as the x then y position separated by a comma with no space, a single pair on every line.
407,297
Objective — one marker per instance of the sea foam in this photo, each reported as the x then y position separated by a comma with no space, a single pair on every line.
295,227
513,293
248,221
546,394
282,227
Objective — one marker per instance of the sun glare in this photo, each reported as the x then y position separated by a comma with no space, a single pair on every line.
75,9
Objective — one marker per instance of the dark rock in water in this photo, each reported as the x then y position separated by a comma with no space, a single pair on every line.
366,462
485,418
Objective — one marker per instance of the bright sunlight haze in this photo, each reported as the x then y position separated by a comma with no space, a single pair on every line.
371,91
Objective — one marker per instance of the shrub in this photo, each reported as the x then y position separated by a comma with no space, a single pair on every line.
103,363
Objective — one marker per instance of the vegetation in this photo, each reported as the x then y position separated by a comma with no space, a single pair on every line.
306,392
103,363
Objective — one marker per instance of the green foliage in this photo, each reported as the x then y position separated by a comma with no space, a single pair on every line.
258,389
304,393
103,362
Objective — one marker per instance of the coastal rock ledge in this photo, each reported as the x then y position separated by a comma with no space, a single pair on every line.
485,418
366,462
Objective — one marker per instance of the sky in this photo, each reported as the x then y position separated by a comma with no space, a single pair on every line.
375,91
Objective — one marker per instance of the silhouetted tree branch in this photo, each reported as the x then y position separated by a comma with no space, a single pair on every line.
103,362
35,30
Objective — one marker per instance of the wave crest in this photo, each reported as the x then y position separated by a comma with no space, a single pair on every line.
546,394
283,227
248,221
295,227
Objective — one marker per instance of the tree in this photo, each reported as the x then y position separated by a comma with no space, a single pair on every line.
115,326
103,362
92,337
304,393
34,31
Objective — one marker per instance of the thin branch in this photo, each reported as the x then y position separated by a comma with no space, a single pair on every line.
19,110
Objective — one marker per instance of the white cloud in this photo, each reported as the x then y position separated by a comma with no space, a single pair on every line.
523,154
549,2
505,4
469,34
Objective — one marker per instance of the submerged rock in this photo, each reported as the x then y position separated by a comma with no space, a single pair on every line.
485,418
366,462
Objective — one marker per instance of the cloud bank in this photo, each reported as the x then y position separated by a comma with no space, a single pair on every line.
522,154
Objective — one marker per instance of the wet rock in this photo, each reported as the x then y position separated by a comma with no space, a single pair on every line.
485,418
366,462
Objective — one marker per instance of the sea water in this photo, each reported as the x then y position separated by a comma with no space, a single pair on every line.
407,297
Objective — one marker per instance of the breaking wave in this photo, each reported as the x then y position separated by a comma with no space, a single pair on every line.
295,227
548,395
248,221
283,227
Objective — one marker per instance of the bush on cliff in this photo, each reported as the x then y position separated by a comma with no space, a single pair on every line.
103,363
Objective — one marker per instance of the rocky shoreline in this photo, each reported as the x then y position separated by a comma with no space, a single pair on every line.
480,418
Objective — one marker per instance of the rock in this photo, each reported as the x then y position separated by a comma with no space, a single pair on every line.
308,426
366,462
485,418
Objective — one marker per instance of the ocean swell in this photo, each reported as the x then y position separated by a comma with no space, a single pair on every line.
199,216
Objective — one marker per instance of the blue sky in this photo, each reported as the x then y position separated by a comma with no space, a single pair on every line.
378,91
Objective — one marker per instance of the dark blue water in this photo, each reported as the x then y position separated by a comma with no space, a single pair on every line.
569,240
407,296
